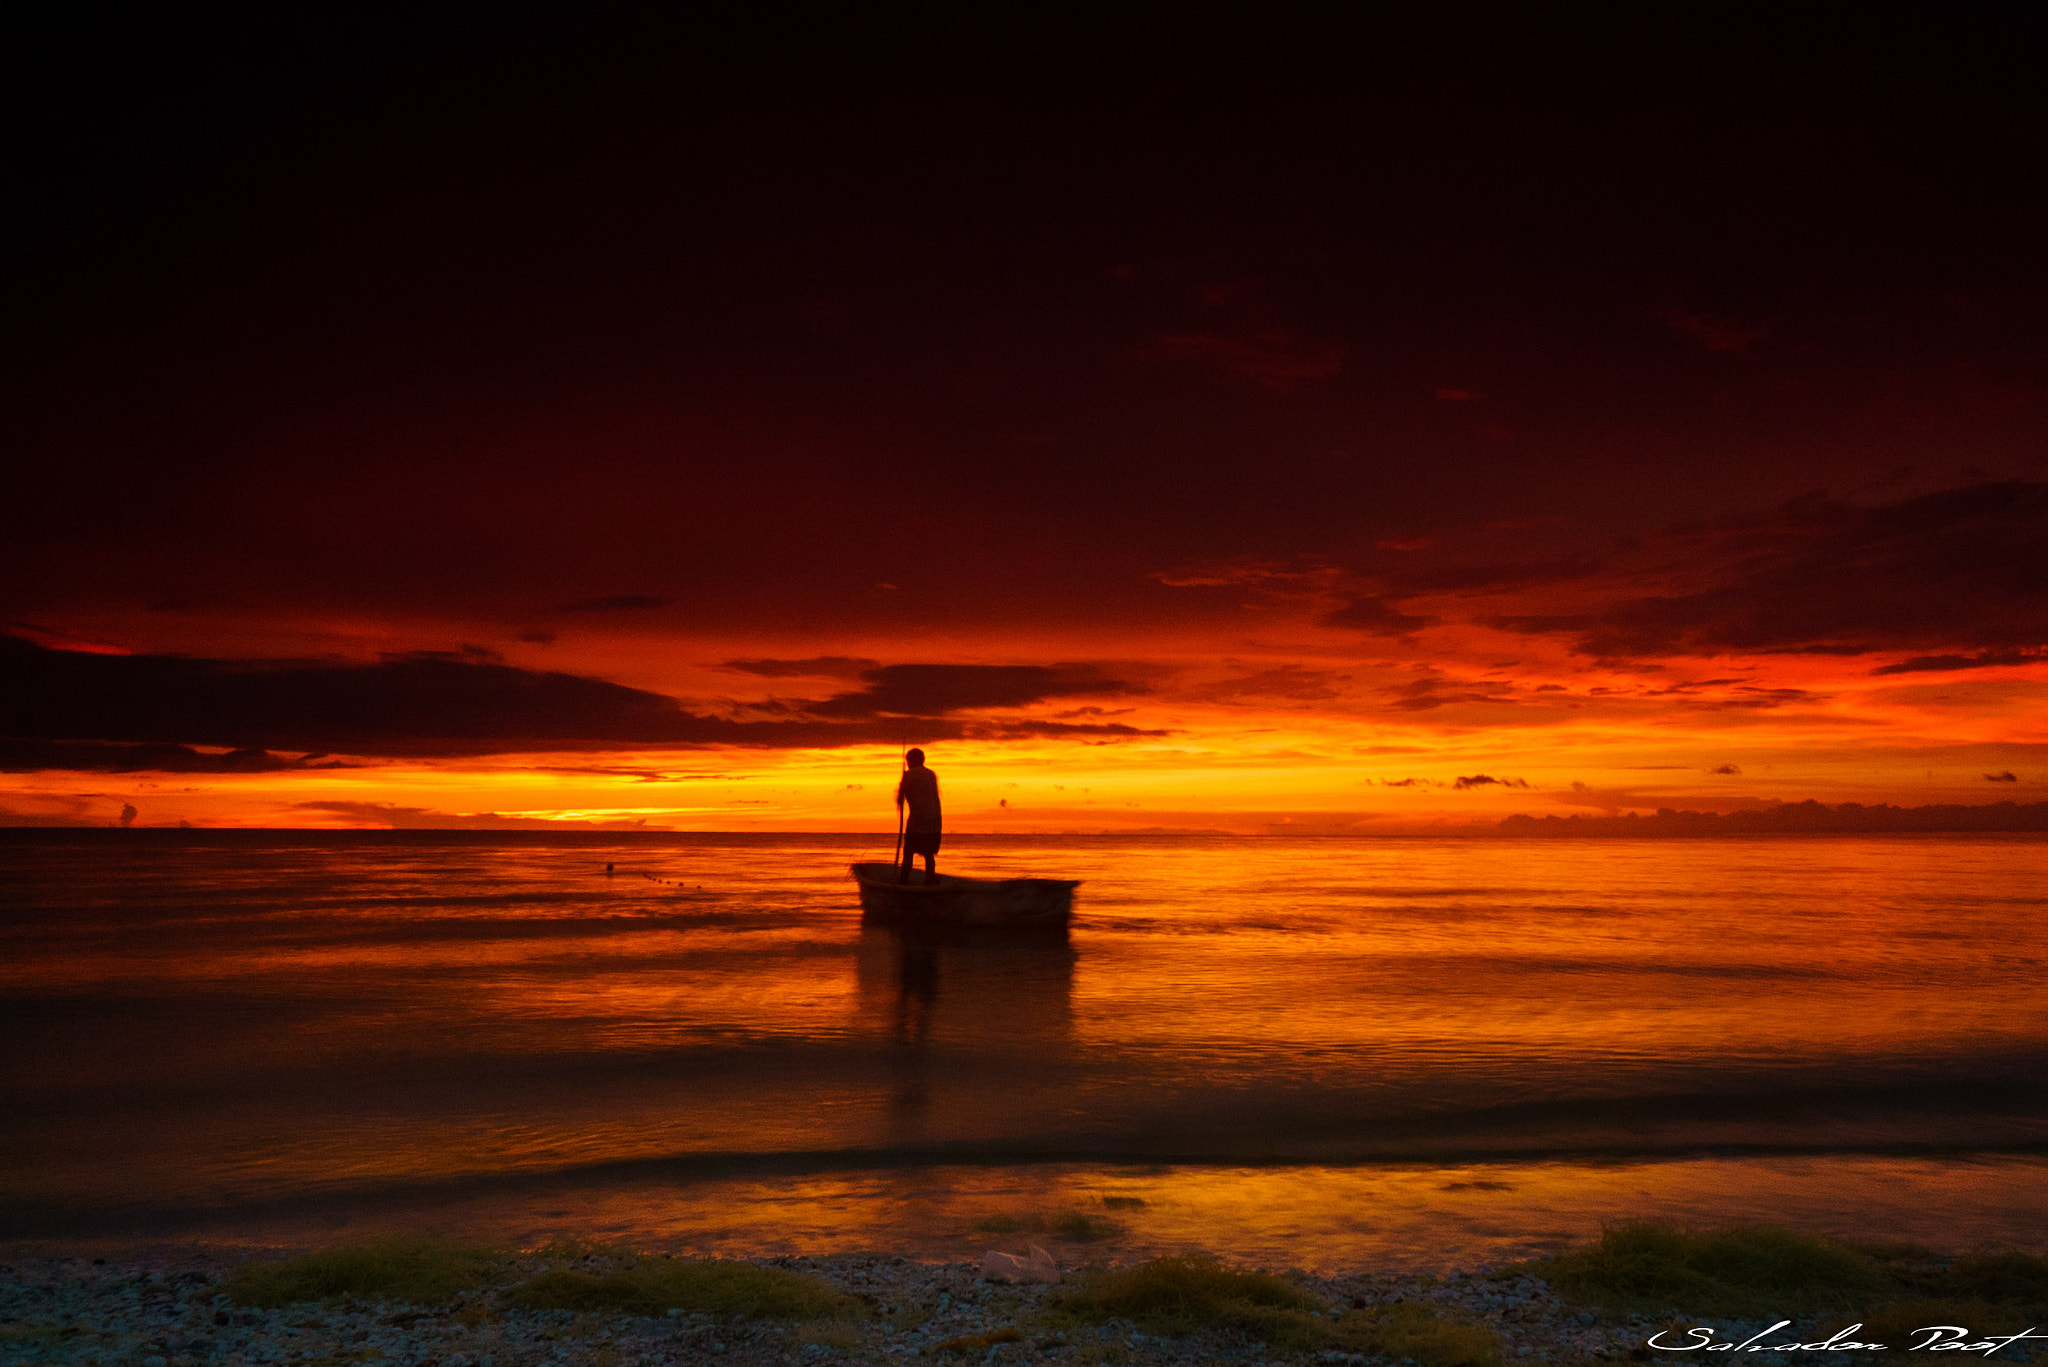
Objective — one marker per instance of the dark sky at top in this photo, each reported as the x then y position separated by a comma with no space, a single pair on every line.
741,315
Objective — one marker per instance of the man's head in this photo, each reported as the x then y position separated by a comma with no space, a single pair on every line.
916,758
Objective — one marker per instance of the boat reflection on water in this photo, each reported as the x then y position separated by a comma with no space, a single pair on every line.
979,1026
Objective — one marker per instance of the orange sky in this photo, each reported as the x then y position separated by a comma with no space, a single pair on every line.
1306,422
1284,725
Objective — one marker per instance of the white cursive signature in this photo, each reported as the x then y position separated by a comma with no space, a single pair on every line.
1940,1338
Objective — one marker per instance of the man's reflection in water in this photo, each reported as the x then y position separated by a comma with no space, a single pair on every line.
917,997
977,1028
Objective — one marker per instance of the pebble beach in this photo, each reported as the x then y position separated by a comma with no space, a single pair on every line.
167,1309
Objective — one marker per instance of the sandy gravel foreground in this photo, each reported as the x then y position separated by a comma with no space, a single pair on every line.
166,1310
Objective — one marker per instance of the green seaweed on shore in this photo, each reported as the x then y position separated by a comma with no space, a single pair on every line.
1180,1295
1767,1270
409,1268
1184,1295
654,1286
1420,1333
2011,1278
1990,1294
1085,1229
568,1249
1753,1269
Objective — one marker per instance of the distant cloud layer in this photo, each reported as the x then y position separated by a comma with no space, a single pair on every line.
92,756
119,713
402,818
1954,580
1961,569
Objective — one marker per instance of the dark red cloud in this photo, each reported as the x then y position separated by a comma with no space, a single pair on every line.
1719,334
1232,329
1284,683
1376,615
618,602
1983,659
1958,568
1424,695
1274,357
432,704
415,704
937,690
26,756
1484,780
817,667
749,315
1486,576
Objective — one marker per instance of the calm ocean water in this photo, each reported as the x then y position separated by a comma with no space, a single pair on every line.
1308,1051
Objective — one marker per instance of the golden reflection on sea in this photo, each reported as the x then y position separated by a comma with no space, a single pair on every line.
374,1026
1419,1217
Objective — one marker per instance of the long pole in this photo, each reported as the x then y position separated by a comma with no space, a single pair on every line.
902,766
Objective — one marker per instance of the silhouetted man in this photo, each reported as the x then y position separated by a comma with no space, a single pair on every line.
919,790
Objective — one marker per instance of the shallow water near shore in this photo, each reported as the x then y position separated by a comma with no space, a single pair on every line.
1316,1052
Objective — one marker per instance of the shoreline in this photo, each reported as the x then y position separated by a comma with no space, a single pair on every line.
184,1305
161,1306
1410,1217
1983,820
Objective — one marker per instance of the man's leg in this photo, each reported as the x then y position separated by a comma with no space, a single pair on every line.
903,874
930,868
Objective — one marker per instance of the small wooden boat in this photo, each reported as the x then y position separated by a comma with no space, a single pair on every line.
980,903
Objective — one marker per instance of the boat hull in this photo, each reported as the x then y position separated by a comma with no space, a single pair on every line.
977,903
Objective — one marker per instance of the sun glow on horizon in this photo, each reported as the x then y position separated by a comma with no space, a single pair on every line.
1287,740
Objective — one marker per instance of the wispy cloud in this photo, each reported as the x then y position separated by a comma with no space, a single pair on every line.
618,602
1234,328
1275,357
1484,780
1718,334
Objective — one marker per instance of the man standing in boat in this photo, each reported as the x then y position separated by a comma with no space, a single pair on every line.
919,791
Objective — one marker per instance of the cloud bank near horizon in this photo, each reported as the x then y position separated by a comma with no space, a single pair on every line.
70,709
